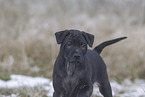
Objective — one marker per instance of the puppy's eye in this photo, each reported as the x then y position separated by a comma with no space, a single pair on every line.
83,45
69,44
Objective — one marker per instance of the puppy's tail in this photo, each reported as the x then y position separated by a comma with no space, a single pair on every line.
101,46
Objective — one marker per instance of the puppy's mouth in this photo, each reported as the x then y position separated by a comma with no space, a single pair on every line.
74,61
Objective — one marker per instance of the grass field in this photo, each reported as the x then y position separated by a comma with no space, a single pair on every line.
28,45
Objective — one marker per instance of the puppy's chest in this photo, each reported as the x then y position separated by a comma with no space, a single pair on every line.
70,83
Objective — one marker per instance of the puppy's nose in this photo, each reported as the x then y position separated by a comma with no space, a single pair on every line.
76,55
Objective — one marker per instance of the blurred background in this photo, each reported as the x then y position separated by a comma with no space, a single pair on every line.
28,45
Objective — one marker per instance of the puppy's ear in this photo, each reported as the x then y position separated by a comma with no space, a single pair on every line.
89,38
60,36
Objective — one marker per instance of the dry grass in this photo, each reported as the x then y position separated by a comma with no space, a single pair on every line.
28,46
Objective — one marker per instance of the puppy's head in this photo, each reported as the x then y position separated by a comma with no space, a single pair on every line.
74,44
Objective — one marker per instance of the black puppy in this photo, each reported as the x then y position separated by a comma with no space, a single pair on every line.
77,68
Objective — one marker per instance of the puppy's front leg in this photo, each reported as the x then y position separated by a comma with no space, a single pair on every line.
85,91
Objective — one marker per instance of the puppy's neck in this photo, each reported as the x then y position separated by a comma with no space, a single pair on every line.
70,68
74,68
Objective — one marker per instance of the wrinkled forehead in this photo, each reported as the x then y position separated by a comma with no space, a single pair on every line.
76,36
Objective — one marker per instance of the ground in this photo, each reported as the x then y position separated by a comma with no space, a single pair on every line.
20,85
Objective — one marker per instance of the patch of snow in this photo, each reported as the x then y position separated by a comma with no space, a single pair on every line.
126,89
21,80
50,89
96,90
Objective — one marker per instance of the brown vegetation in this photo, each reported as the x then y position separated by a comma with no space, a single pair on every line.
27,41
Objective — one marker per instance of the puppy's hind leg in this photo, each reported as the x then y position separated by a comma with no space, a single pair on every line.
105,88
